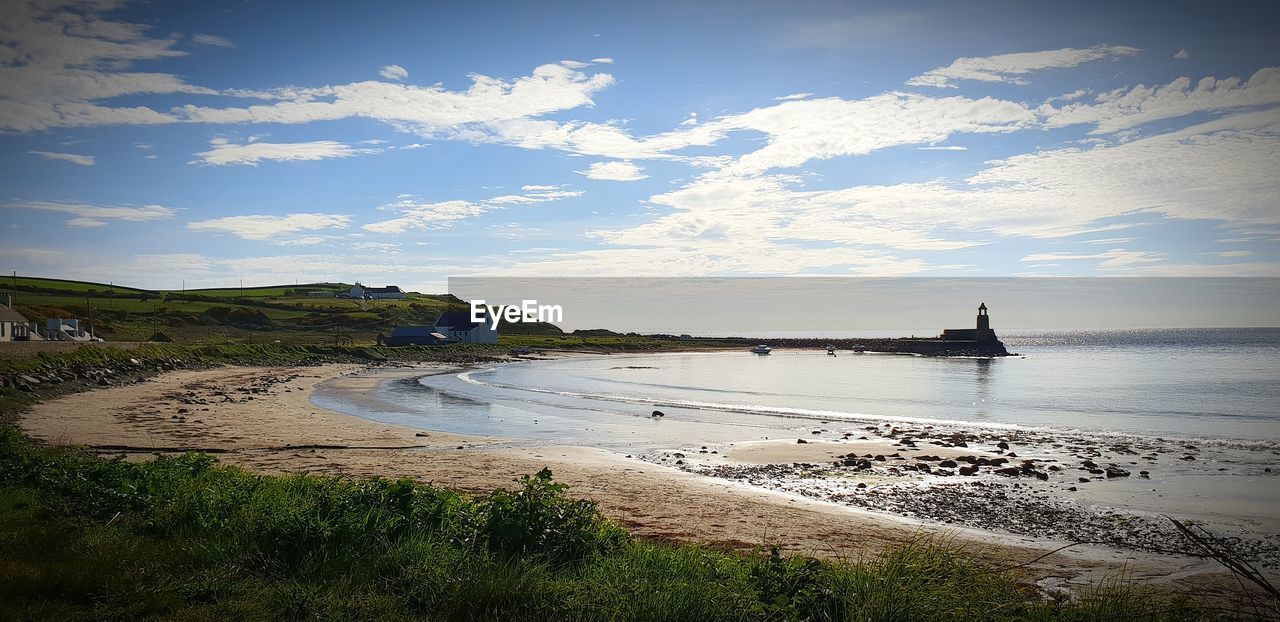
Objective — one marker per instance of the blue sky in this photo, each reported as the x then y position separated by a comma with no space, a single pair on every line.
157,143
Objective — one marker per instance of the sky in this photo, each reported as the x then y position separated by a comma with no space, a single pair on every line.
163,145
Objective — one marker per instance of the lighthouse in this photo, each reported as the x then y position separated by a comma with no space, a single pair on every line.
980,339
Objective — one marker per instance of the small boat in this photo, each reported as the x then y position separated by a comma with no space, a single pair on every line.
762,349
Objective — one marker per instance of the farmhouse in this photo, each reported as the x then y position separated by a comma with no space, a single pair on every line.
362,292
457,326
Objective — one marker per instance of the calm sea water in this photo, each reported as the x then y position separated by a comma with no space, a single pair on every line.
1214,383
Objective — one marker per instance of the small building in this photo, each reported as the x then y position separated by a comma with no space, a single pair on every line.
67,330
457,325
15,327
363,292
413,336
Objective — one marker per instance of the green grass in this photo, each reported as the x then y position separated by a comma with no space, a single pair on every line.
84,537
27,282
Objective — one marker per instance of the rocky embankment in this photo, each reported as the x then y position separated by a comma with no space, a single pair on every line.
74,375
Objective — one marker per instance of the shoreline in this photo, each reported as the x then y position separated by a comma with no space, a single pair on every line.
260,416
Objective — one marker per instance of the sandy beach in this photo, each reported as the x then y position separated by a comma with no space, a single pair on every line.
263,419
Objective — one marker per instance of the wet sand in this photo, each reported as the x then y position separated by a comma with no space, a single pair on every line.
263,419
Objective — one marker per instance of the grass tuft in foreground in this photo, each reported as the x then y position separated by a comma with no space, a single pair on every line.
84,537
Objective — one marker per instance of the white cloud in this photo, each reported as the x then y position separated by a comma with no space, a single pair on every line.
603,61
382,247
59,57
537,196
793,97
61,61
1108,241
1122,109
310,240
74,158
943,148
264,227
795,131
226,153
1009,68
800,131
428,110
212,40
1114,259
1182,54
418,215
614,171
87,215
725,223
394,72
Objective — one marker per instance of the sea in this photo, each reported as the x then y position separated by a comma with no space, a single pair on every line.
1178,383
1191,416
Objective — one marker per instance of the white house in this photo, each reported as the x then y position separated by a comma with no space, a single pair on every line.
457,326
390,292
15,327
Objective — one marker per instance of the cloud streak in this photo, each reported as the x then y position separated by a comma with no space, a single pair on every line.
89,215
74,158
1010,68
265,227
419,215
226,153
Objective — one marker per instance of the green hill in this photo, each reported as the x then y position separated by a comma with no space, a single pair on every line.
306,313
300,314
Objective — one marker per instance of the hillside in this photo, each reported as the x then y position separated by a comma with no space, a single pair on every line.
285,313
